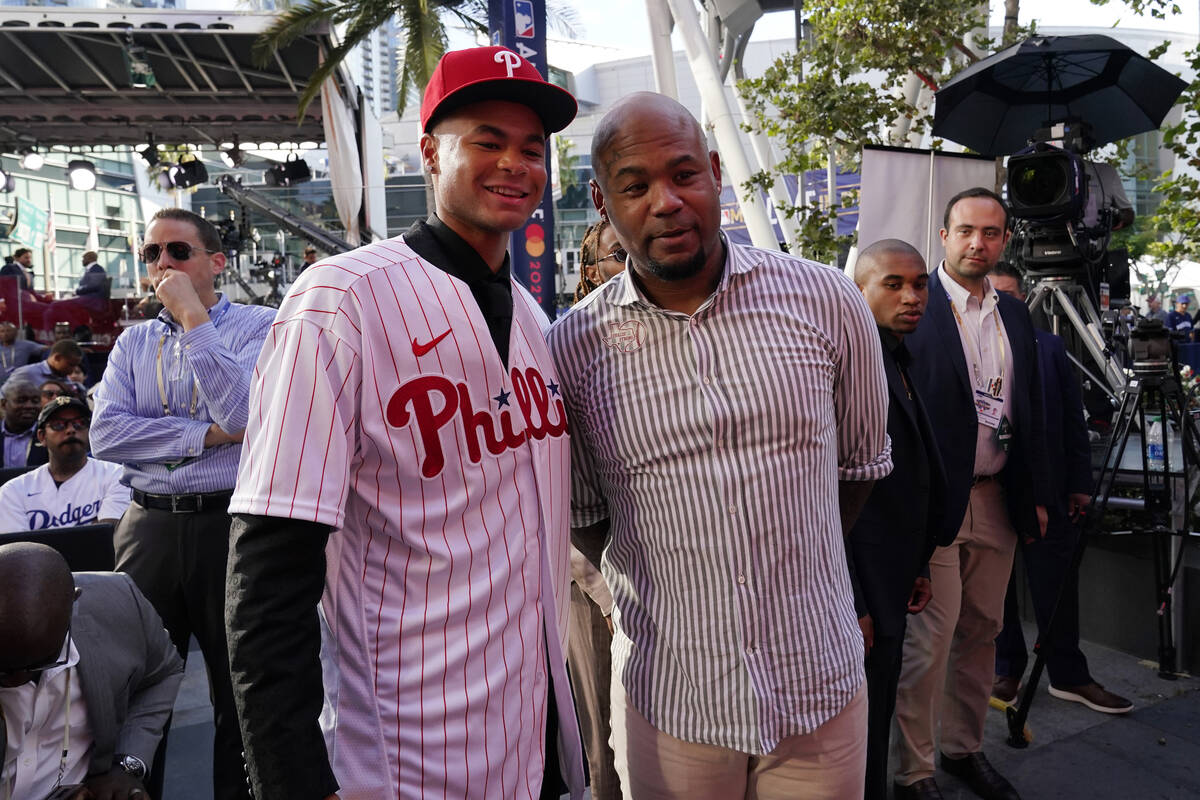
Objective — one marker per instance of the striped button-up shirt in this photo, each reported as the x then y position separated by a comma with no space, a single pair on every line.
208,368
713,444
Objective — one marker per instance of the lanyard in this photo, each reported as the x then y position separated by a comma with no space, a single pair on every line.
66,744
162,386
7,356
977,343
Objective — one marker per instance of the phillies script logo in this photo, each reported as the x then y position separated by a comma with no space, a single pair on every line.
625,337
431,402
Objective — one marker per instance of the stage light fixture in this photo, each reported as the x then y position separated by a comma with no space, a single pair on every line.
141,74
291,172
187,174
31,159
149,151
81,175
233,156
7,182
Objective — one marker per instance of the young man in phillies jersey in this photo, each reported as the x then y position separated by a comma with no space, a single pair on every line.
406,469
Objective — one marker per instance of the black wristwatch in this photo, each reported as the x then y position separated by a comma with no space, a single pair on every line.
132,765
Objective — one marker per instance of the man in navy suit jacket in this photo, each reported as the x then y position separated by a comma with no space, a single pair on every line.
975,366
1047,560
889,546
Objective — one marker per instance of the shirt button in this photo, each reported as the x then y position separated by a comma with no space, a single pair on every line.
742,579
733,509
707,380
750,650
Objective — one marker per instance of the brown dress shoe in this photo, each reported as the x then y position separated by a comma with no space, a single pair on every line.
924,789
979,774
1094,696
1006,689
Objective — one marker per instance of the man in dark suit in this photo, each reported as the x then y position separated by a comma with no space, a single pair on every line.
20,402
19,268
94,280
84,647
1047,560
975,366
889,547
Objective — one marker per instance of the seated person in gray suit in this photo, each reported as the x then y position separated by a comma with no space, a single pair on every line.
88,678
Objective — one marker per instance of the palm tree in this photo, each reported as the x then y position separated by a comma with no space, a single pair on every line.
422,27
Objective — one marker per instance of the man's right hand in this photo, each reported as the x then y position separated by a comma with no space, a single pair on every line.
216,436
868,631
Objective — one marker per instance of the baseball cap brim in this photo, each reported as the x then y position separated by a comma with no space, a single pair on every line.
555,105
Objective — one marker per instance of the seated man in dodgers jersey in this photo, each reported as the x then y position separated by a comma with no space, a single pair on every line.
405,401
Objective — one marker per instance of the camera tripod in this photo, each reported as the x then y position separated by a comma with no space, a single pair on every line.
1062,296
1153,391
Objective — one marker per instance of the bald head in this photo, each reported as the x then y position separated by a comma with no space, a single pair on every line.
37,591
891,276
667,114
878,255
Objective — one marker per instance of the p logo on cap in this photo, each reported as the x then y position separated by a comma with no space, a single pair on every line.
479,74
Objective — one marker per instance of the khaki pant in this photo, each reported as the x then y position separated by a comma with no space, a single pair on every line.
949,648
827,764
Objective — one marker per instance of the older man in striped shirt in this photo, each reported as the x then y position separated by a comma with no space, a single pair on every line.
728,409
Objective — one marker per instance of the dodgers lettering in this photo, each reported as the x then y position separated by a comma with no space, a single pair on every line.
430,402
40,519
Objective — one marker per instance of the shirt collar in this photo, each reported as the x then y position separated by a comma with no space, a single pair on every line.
738,260
7,432
465,262
959,295
215,313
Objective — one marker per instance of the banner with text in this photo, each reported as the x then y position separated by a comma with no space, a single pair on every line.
520,25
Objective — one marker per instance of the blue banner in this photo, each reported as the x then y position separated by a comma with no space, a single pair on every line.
815,180
520,25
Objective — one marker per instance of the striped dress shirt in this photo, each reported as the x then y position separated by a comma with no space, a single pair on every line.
714,444
165,453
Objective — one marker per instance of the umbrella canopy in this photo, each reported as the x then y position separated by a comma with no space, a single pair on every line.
996,105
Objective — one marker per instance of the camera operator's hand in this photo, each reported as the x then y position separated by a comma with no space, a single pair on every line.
116,784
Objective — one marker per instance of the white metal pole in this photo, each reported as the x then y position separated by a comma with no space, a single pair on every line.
725,128
662,55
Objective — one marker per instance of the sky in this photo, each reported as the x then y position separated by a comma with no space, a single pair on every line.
621,24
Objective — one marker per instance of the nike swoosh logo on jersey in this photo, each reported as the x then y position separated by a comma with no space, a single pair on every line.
420,349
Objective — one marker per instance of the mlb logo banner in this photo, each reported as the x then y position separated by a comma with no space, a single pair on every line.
523,26
520,26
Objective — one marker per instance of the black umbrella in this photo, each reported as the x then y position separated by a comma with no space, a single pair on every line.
996,105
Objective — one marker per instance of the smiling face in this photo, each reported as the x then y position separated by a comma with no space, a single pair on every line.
660,187
21,406
975,239
488,162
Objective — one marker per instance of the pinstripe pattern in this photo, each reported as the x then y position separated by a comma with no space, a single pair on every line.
128,426
451,562
714,445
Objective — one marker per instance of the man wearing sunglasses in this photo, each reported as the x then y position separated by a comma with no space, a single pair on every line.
72,489
88,669
171,408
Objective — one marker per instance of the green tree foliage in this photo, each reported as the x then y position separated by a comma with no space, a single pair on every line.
1171,235
844,88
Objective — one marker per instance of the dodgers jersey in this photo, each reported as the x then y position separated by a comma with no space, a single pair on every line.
31,502
381,408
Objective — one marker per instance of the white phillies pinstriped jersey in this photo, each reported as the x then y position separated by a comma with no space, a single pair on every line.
380,407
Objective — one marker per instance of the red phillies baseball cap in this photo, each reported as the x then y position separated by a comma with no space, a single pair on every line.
470,76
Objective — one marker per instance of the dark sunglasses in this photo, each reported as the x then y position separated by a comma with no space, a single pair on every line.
618,255
60,425
180,251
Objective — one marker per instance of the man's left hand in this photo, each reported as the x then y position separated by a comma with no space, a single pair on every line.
117,784
1042,518
922,593
1077,502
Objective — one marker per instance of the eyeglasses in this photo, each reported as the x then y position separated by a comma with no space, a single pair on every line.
619,255
59,661
60,425
180,251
